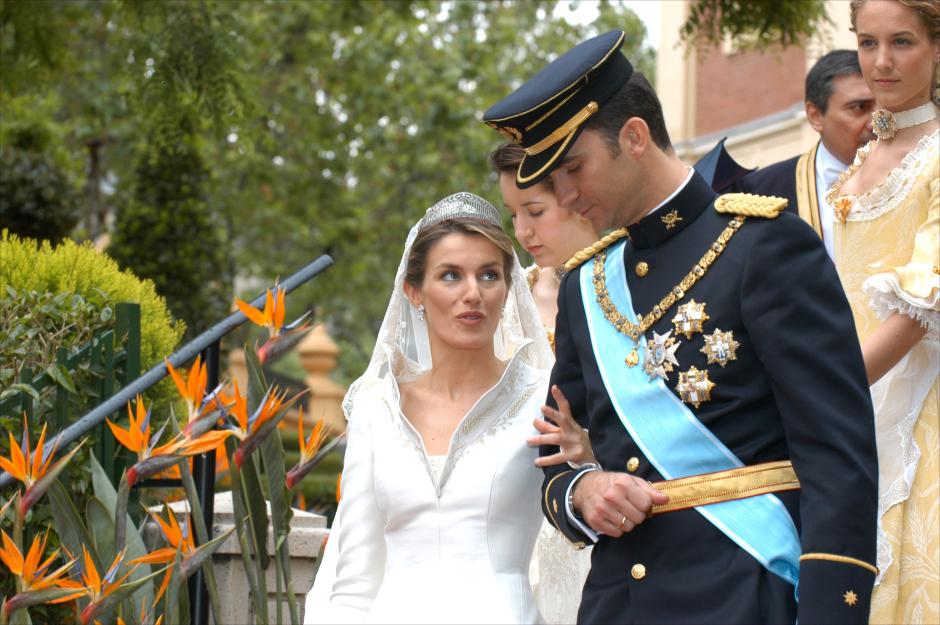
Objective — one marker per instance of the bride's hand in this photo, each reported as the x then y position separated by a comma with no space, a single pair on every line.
565,433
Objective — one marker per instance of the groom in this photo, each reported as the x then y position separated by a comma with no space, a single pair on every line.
709,349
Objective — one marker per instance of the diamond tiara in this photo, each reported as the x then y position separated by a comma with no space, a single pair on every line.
462,205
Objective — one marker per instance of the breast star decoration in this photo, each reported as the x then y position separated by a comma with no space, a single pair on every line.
694,387
720,347
661,355
689,318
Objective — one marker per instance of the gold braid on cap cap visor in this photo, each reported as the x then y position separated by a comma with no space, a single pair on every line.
563,131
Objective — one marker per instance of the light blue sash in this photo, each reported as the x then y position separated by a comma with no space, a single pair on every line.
673,439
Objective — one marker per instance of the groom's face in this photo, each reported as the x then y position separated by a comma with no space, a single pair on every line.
463,292
595,181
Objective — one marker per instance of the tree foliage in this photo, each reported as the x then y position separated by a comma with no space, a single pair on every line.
753,23
321,126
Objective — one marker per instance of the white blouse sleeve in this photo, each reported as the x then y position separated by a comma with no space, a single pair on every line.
360,565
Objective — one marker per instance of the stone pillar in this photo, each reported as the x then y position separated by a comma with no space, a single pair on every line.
305,541
318,355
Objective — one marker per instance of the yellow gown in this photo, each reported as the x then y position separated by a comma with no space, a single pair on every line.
886,252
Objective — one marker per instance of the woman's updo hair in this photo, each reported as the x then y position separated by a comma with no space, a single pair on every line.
428,237
927,10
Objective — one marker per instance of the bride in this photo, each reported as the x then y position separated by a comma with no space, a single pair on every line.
440,491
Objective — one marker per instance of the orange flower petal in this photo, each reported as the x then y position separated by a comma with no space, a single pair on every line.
177,378
279,310
254,315
124,437
11,555
37,455
17,458
159,556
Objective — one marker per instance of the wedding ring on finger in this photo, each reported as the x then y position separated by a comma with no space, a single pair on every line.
623,521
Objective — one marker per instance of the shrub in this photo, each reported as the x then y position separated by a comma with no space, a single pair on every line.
78,269
36,198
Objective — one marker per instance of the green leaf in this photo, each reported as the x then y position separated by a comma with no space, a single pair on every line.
62,377
257,510
105,492
72,531
101,525
19,387
36,597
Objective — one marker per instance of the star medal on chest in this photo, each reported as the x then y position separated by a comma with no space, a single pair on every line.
661,355
689,318
694,387
720,347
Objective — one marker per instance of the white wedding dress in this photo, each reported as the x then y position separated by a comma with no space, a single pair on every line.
447,549
422,540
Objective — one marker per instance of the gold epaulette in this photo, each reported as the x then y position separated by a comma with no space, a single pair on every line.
750,205
592,249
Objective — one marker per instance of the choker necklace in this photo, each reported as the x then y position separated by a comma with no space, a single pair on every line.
886,124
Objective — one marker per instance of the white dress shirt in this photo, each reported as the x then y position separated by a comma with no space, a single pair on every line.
828,168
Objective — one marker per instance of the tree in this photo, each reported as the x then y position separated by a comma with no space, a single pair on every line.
321,126
753,24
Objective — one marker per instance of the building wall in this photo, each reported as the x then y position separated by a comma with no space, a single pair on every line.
733,88
752,98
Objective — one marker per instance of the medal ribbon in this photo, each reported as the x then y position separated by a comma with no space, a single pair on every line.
673,439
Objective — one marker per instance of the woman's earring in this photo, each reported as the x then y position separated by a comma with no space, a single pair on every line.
421,312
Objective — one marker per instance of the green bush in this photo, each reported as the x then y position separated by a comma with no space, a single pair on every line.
71,268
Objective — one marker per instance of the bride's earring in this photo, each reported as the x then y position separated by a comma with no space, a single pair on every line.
421,312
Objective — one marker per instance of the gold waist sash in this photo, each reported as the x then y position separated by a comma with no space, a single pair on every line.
707,488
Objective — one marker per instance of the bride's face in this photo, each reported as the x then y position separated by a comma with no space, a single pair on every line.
896,53
463,291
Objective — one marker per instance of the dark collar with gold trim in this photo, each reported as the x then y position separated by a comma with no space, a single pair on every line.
674,216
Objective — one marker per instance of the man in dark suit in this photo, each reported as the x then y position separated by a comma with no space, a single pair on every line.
708,348
838,107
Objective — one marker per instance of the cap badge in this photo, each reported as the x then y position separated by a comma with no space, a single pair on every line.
509,133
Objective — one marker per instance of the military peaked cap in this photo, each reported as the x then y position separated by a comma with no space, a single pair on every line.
546,114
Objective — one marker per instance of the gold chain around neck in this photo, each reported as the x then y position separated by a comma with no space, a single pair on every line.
634,330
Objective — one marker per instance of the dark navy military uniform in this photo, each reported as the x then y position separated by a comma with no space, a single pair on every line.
778,179
796,390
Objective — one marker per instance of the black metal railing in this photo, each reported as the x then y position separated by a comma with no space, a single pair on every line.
208,343
115,352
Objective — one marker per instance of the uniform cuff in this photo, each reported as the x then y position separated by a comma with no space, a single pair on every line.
572,517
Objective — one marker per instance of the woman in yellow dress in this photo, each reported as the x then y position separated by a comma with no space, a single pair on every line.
887,208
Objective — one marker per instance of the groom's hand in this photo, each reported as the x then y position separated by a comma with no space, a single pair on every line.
614,503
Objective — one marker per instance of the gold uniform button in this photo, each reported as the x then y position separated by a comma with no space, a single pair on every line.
579,545
638,571
642,269
555,505
633,464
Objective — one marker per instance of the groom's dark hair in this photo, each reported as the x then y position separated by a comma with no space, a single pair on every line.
430,236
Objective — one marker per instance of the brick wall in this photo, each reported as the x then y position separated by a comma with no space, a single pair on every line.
735,88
